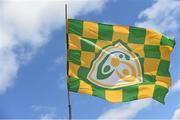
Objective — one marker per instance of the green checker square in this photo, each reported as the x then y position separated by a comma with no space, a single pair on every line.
152,51
75,26
83,72
88,44
141,60
136,35
167,41
73,84
130,93
105,32
163,69
74,56
160,93
99,92
149,78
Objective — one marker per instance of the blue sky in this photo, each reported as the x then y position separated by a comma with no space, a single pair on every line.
33,64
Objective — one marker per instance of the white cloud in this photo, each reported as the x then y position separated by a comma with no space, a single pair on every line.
60,60
8,69
176,115
45,112
48,116
126,112
163,16
62,82
37,108
26,25
176,86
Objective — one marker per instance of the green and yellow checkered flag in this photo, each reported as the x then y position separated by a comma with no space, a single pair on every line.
118,63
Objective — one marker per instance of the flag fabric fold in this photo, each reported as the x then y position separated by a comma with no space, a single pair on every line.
118,63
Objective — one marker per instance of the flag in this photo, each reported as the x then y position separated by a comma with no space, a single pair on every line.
118,63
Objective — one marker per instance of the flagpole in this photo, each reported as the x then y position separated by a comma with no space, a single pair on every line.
68,92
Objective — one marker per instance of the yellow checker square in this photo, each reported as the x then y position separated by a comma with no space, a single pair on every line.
163,81
90,30
100,44
151,66
73,70
165,52
114,96
137,48
120,33
85,88
86,58
152,37
74,42
145,91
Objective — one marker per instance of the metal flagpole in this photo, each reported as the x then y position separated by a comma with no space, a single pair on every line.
69,100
